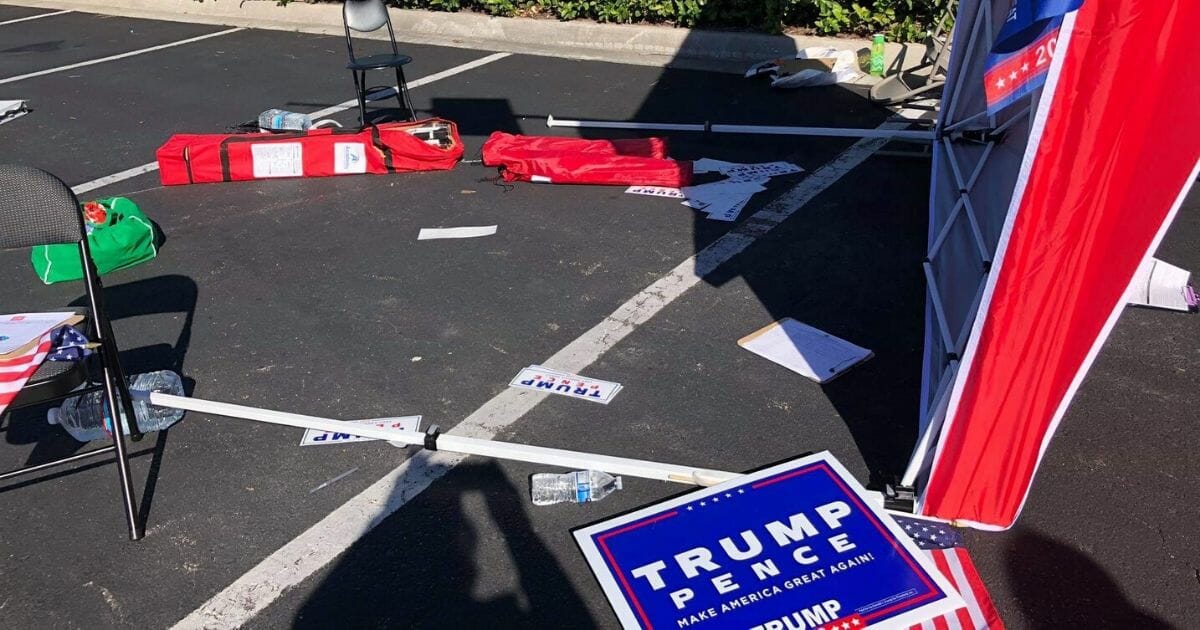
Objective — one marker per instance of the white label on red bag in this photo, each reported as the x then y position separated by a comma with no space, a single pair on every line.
277,159
349,157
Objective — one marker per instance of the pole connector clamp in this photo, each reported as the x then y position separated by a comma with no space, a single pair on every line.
431,437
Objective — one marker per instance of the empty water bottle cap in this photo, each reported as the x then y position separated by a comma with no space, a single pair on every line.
52,416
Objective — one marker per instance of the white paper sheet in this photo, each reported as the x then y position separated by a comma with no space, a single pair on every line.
708,165
19,329
1161,285
11,110
313,437
727,209
760,172
804,350
428,234
705,194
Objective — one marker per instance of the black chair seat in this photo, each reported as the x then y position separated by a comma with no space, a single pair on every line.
375,62
54,379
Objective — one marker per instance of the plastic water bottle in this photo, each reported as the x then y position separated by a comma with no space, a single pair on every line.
580,486
85,417
283,120
877,52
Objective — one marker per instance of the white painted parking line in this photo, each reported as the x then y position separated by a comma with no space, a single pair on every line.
328,111
321,543
114,178
131,53
33,17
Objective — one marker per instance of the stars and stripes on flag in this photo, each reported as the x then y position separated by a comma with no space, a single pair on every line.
945,547
15,371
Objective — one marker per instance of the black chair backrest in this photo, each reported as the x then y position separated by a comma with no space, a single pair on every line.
365,16
36,208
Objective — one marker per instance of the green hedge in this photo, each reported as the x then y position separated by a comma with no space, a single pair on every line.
900,20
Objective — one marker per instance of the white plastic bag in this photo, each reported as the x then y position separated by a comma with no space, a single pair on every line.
844,69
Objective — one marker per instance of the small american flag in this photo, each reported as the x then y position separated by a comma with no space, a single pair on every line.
945,547
15,371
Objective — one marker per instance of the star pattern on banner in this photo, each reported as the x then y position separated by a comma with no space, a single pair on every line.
715,499
847,623
1012,76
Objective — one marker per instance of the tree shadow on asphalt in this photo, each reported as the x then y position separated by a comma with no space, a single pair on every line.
1059,587
156,295
437,563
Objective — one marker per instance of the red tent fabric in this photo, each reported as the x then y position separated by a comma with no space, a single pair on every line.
1114,149
641,161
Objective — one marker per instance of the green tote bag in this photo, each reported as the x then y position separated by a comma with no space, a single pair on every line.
124,239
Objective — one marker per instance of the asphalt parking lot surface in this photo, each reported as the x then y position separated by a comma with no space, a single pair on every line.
314,296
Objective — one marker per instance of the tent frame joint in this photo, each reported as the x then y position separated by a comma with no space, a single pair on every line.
974,136
900,498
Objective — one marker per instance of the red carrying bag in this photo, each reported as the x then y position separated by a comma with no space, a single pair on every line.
384,148
636,162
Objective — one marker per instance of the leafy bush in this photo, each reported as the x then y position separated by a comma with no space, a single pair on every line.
900,20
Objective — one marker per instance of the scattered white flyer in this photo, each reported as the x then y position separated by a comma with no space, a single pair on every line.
727,210
700,197
759,172
540,378
314,437
805,350
709,165
427,234
656,191
725,199
11,110
1161,285
277,159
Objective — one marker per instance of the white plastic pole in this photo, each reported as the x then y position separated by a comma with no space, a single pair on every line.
829,132
469,446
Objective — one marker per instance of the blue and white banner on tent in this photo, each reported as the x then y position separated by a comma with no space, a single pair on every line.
798,546
1020,57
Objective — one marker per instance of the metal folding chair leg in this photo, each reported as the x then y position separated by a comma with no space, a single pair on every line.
402,94
136,530
360,88
116,393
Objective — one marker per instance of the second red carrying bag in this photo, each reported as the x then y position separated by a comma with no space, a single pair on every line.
638,161
425,145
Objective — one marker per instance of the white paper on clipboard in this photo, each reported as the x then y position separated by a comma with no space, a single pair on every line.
804,350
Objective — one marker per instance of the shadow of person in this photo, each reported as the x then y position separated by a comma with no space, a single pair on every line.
462,554
1059,587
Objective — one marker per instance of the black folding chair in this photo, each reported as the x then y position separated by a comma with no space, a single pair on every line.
37,208
365,16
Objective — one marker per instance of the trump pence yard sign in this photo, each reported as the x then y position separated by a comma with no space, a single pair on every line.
797,546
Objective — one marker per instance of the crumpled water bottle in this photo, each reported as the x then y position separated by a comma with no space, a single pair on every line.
86,419
580,486
283,120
